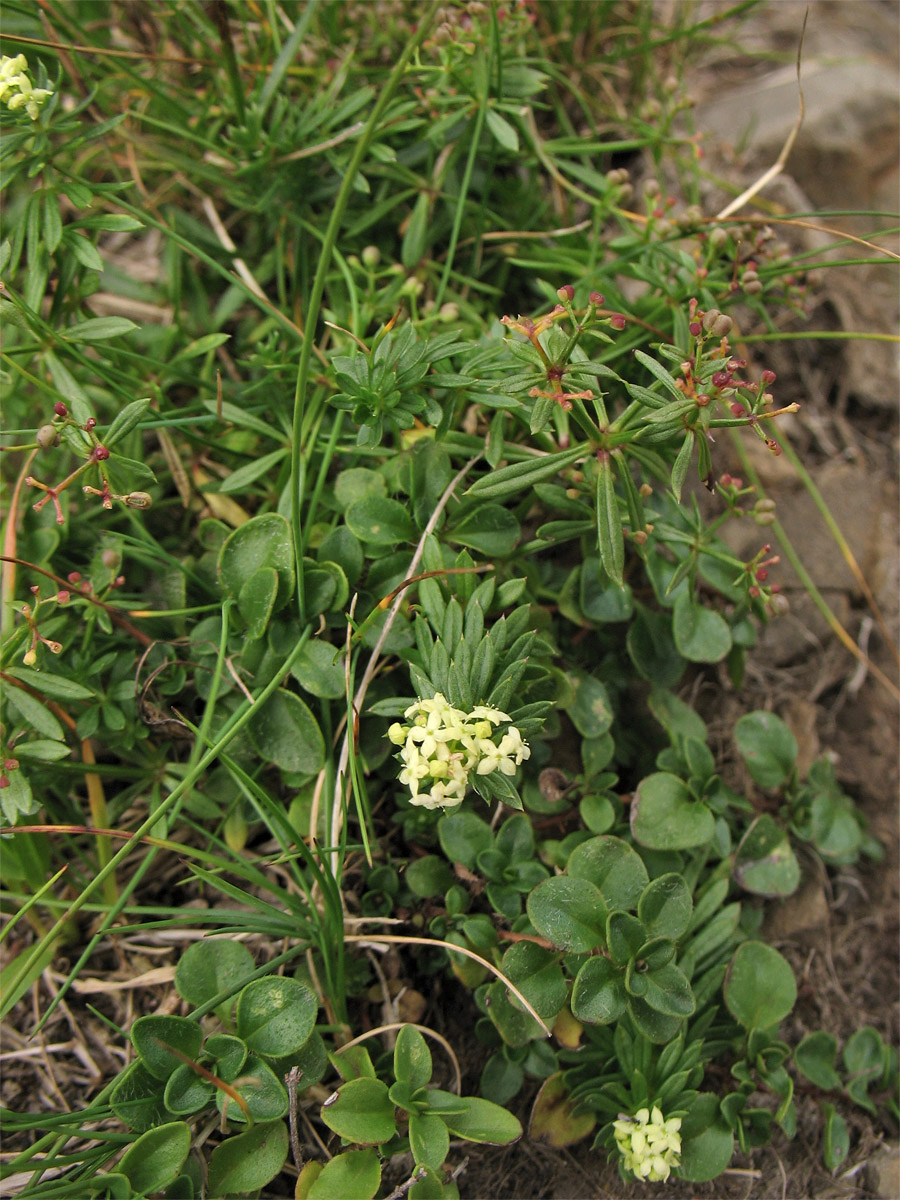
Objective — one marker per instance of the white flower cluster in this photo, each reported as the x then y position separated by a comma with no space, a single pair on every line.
442,745
16,89
650,1147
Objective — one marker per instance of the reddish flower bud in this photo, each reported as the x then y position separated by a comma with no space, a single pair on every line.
721,379
73,576
566,292
768,377
101,453
761,575
695,328
60,409
62,596
738,409
702,400
596,298
617,320
4,782
90,423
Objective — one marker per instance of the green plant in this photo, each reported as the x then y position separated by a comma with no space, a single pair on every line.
369,560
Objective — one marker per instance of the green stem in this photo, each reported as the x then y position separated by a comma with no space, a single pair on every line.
303,415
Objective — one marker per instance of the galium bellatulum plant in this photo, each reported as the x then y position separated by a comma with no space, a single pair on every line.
443,745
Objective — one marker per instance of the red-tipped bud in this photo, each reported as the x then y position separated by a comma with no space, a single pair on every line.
100,453
74,576
617,321
702,400
62,596
596,298
11,764
738,410
695,328
90,423
721,379
60,409
566,292
761,575
768,377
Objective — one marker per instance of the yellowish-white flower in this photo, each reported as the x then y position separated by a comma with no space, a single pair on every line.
442,745
16,88
650,1146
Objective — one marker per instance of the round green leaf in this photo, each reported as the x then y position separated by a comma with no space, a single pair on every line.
352,1175
598,993
538,976
358,483
212,966
764,862
318,672
491,529
767,746
701,635
760,989
260,1089
137,1098
669,992
706,1140
164,1042
256,600
412,1060
569,913
361,1111
187,1092
286,733
665,906
275,1015
428,876
658,1027
155,1159
591,712
815,1058
264,541
248,1161
652,649
612,866
463,836
664,815
429,1139
379,521
474,1119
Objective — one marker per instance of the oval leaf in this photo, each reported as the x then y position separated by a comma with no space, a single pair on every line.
249,1161
760,989
570,913
275,1016
286,733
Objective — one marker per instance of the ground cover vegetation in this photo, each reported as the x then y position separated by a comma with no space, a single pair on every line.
358,411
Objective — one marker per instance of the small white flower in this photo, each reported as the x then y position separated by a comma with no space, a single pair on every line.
650,1146
16,88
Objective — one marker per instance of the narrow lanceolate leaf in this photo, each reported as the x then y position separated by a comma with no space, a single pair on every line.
518,477
96,329
682,462
125,420
609,523
656,369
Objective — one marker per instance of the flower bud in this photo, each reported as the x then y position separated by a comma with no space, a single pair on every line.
617,321
60,409
29,658
768,377
371,256
90,423
100,453
566,292
138,500
47,437
596,298
718,237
